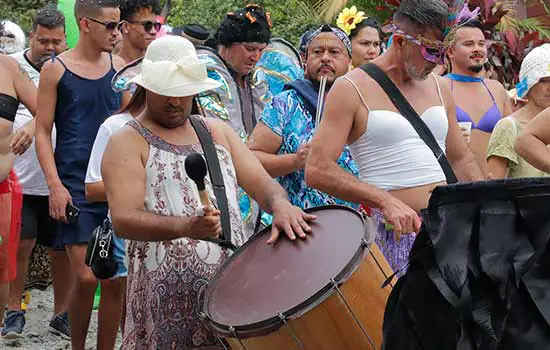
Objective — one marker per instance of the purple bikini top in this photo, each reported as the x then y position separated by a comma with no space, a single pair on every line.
488,121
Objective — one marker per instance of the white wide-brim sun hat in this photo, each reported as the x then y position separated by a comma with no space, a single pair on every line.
171,68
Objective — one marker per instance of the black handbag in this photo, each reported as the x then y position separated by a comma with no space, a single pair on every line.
99,255
408,112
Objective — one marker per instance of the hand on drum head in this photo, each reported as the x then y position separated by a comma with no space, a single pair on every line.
290,219
402,218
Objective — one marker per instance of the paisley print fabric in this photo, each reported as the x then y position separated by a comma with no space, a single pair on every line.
167,279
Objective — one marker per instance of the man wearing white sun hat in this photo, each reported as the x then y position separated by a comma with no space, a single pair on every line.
156,207
532,143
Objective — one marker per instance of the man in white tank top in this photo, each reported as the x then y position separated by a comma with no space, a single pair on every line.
397,169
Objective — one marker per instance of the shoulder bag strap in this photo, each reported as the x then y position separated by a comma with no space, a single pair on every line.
410,114
216,177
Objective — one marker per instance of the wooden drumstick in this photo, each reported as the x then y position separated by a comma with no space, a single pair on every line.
195,166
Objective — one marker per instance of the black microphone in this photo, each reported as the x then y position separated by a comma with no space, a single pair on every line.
195,166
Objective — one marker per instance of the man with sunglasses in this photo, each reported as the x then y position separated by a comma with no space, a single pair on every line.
397,170
139,27
467,55
75,93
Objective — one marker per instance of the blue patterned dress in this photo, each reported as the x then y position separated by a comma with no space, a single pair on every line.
288,116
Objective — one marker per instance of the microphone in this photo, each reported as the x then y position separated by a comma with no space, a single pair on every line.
195,166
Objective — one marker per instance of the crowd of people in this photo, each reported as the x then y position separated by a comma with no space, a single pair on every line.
103,130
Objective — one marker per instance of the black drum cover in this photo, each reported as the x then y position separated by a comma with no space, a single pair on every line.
479,274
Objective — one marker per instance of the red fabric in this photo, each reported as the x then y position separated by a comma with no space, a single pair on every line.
11,202
366,209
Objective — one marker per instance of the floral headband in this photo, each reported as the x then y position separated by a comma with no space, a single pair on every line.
349,18
329,29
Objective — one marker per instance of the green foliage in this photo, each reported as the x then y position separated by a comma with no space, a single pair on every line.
21,11
371,8
290,17
528,25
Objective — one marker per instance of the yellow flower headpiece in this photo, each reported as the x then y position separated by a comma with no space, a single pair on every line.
349,18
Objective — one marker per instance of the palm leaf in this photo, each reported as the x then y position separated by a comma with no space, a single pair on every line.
303,13
541,2
527,25
328,9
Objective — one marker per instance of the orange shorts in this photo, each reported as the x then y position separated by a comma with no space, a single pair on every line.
11,201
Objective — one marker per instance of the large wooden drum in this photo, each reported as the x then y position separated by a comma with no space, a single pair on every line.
324,292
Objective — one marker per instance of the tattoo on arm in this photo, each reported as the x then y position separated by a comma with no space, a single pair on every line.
23,72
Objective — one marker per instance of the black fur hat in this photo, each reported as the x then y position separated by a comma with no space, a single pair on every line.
249,24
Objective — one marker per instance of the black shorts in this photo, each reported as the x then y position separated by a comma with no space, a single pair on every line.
36,222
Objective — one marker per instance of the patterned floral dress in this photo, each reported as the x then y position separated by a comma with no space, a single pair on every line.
166,280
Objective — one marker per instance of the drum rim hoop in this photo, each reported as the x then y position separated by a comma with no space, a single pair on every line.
272,324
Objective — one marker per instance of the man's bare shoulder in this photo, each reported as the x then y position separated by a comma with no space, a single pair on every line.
53,68
495,85
359,77
8,61
218,128
444,83
118,62
126,134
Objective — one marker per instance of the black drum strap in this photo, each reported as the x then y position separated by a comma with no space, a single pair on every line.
216,178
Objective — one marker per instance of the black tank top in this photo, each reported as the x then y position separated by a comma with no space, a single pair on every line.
8,107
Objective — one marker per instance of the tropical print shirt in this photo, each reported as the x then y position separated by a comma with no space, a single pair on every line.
287,116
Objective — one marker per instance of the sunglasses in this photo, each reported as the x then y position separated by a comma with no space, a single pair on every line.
109,25
148,25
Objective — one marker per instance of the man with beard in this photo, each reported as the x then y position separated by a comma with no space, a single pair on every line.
75,93
156,206
140,26
481,102
397,170
281,140
47,38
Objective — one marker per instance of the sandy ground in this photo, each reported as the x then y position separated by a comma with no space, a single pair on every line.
36,335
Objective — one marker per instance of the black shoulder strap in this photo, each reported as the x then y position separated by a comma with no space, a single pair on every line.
216,177
410,114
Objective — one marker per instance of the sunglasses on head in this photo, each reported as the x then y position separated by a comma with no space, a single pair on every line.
148,25
109,25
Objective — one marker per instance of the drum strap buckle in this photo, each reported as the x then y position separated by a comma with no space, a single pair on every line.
343,298
292,332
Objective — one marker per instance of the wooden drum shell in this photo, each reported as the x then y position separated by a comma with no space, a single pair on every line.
330,325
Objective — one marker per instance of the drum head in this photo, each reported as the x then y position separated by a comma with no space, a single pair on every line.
261,280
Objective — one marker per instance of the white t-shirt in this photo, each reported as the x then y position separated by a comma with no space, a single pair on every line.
26,166
108,128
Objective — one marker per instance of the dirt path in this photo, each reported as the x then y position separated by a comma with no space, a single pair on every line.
36,335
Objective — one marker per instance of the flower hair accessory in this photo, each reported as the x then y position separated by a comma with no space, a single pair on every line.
349,18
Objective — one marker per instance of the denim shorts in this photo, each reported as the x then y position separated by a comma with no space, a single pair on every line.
119,255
